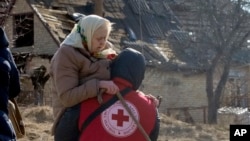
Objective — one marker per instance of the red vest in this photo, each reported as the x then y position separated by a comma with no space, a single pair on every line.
115,124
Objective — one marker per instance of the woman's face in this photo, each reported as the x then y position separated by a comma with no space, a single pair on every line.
99,39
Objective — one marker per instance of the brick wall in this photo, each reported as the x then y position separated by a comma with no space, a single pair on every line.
177,90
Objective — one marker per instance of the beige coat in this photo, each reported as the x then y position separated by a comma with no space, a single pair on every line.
68,65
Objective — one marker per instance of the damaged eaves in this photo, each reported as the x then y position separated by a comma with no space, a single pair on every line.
138,26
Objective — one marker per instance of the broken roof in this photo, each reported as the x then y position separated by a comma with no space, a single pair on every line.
144,25
131,29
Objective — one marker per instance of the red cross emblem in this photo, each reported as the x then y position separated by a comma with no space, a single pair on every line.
120,117
116,121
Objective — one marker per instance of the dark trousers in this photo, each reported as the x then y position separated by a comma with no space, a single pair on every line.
7,131
155,132
67,127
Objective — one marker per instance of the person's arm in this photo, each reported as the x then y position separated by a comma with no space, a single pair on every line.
66,79
4,73
109,86
14,80
151,97
15,87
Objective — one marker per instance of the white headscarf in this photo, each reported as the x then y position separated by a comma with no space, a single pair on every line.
87,26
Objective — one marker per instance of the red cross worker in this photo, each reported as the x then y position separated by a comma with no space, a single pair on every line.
114,122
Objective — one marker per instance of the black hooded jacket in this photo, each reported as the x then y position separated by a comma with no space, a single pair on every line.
9,75
132,69
130,65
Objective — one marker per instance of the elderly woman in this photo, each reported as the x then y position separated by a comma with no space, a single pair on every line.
78,73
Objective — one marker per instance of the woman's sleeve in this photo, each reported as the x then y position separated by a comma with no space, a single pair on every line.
66,79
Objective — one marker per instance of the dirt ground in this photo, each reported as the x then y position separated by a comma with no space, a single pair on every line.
38,122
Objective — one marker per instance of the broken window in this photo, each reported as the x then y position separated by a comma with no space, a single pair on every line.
23,30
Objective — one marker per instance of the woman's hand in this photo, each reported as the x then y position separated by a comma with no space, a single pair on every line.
154,100
109,86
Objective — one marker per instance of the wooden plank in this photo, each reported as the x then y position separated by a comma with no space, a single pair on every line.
72,2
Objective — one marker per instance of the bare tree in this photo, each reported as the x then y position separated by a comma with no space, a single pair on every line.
223,31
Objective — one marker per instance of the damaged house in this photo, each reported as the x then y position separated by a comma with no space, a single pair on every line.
26,32
147,26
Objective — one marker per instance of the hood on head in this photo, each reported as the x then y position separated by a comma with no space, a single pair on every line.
4,43
129,65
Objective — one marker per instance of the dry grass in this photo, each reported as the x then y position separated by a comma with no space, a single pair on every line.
38,121
174,130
